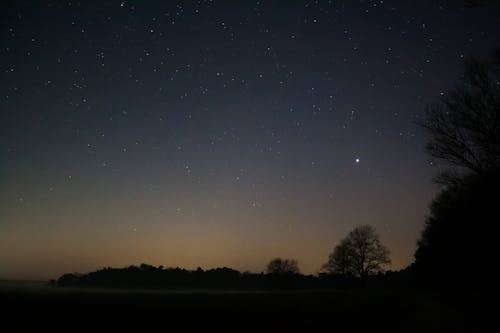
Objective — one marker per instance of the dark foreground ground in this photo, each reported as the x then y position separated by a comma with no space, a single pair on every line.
38,307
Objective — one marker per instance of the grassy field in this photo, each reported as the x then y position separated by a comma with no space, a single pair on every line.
36,305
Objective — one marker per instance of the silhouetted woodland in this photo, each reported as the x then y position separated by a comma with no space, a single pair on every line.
459,243
148,276
362,258
457,247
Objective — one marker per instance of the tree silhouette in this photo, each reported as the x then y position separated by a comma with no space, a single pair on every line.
282,266
339,261
359,254
457,241
464,128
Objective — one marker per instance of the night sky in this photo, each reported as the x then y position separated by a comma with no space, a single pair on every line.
219,133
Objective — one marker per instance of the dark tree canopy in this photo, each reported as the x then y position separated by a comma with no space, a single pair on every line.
457,243
359,254
339,261
464,129
282,266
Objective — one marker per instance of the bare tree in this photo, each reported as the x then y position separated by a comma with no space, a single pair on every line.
359,254
282,266
464,128
465,134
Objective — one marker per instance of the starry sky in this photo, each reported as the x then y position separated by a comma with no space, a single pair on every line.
219,133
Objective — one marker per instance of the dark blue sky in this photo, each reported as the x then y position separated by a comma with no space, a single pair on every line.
219,133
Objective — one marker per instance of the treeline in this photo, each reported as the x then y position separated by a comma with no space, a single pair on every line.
360,258
148,276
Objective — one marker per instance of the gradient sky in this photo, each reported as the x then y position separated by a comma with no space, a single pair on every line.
219,133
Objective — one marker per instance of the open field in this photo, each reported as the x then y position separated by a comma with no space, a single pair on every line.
32,304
